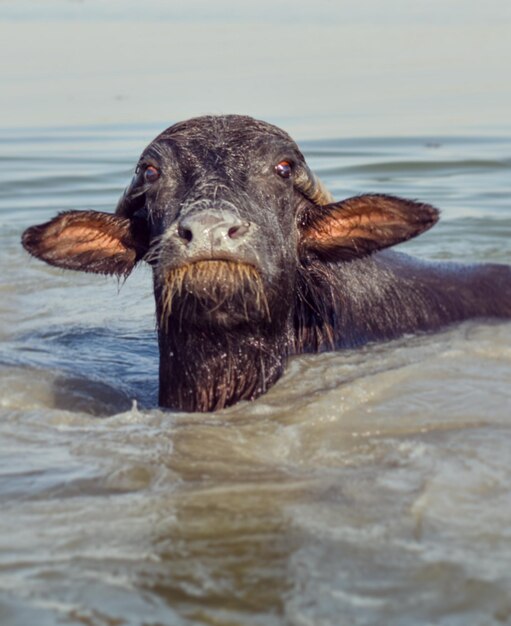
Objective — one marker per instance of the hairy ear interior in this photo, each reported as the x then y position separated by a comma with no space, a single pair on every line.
358,226
89,241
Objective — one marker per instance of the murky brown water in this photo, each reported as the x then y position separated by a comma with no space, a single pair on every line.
367,487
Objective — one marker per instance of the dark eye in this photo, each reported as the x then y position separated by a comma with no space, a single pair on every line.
151,174
283,169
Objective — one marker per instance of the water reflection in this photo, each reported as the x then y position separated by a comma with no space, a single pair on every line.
194,574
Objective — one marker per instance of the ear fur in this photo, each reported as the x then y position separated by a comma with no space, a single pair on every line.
89,241
361,225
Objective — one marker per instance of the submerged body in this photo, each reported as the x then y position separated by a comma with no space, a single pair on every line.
390,294
253,261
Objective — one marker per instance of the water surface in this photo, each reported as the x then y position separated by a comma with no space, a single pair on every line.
368,486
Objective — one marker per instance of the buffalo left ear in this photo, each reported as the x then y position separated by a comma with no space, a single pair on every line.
358,226
89,241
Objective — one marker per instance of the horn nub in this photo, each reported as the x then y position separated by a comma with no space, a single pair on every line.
312,188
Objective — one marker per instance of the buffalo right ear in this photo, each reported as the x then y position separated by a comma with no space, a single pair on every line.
89,241
359,226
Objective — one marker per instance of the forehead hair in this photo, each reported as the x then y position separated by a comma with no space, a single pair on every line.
223,128
214,139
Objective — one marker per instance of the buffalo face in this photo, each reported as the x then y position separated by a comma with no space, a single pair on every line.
220,209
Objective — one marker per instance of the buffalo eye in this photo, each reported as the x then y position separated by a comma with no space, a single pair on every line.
151,174
283,169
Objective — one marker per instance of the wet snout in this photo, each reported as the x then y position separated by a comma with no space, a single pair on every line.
213,232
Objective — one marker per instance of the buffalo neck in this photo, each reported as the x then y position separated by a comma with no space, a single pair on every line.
206,369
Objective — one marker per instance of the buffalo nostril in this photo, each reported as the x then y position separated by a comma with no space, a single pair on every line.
211,229
185,233
236,232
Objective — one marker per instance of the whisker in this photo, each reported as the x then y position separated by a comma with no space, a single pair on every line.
210,285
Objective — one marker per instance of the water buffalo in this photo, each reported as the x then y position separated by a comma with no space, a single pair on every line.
253,261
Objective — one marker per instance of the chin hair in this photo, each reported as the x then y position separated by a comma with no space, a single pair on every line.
222,292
